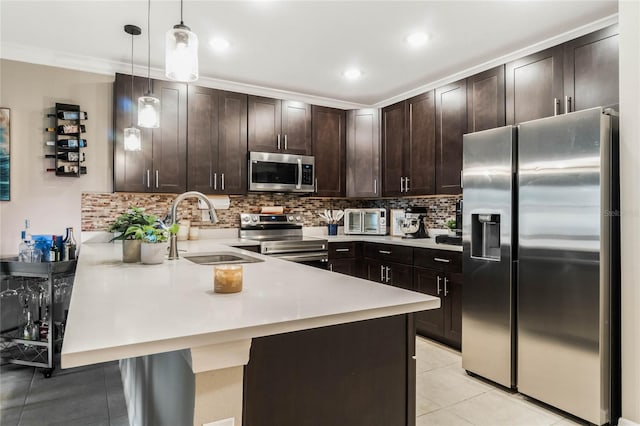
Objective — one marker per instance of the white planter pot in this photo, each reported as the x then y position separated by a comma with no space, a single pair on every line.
153,254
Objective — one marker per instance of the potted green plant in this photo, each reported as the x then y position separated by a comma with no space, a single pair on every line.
130,246
153,236
452,226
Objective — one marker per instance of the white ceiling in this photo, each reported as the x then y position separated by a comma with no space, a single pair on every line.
297,46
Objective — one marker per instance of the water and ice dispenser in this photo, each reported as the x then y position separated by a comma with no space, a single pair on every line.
485,236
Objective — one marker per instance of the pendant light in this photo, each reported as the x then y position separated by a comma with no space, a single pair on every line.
132,141
181,53
149,105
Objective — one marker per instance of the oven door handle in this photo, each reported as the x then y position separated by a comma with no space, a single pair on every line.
299,184
323,257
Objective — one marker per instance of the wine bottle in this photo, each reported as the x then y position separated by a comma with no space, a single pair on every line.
70,169
72,143
44,325
54,252
70,115
27,330
70,245
67,129
71,156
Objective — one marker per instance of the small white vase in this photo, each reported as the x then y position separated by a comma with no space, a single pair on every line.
153,253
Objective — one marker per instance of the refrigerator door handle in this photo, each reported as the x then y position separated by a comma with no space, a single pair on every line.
556,104
567,104
446,292
438,288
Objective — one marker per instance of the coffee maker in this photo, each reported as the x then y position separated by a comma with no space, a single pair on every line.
413,223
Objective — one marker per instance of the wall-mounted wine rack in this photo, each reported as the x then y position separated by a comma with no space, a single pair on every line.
68,141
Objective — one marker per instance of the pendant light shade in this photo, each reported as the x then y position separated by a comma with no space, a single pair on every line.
132,139
148,111
149,105
181,53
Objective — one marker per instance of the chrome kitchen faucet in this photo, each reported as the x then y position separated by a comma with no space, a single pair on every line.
173,213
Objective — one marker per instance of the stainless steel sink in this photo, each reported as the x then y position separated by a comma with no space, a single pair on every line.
219,257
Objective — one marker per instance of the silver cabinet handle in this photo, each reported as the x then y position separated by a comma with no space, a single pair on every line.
157,179
222,180
285,142
215,181
438,259
387,274
148,179
316,188
375,186
445,287
278,140
567,104
438,286
401,184
556,104
406,184
381,273
331,267
384,252
342,250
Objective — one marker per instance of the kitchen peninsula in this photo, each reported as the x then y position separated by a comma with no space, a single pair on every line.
297,345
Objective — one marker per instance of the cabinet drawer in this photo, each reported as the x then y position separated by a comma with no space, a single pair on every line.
443,260
343,250
389,253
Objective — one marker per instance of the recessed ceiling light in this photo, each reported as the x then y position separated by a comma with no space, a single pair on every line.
417,39
352,74
218,43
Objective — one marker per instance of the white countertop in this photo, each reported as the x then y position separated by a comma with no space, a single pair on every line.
429,243
126,310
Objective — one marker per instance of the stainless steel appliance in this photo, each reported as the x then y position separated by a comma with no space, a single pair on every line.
365,221
413,223
280,235
541,261
281,172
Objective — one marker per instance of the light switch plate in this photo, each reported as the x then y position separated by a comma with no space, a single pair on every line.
224,422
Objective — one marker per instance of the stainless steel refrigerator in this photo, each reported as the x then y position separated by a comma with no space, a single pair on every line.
540,310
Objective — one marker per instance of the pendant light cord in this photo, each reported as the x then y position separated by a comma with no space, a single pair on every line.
131,110
149,45
181,21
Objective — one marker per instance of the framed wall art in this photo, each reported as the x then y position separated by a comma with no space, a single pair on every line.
5,154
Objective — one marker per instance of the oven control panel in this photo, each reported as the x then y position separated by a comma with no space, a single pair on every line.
275,221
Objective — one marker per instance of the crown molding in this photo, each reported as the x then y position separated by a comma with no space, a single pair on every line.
59,59
40,56
537,47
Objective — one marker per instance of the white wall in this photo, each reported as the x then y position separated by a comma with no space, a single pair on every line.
629,18
51,203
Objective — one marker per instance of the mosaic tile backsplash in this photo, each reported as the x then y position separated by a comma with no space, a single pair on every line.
99,210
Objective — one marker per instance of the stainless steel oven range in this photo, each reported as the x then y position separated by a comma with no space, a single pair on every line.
280,235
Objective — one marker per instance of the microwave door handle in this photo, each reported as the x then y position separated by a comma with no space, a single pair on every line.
299,185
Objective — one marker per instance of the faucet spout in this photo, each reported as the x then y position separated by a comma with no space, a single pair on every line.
173,215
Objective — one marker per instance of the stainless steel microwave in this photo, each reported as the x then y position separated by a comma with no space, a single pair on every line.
281,172
365,221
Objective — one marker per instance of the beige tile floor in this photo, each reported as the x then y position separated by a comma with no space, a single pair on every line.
446,395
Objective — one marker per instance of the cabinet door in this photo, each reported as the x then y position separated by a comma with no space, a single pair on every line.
393,121
420,154
486,100
232,143
453,309
374,271
344,266
591,70
170,139
534,86
202,139
296,128
363,153
130,168
451,124
399,275
329,149
264,115
431,322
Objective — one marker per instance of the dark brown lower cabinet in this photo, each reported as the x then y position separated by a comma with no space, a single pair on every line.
356,374
391,273
344,266
431,322
346,258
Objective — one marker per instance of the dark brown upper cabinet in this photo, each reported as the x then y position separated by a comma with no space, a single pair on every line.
486,100
408,144
217,136
329,149
451,124
393,129
161,166
279,126
363,153
591,70
534,86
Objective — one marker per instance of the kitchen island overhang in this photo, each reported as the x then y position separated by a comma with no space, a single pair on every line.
120,311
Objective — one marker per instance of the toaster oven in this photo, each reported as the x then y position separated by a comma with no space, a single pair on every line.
365,221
